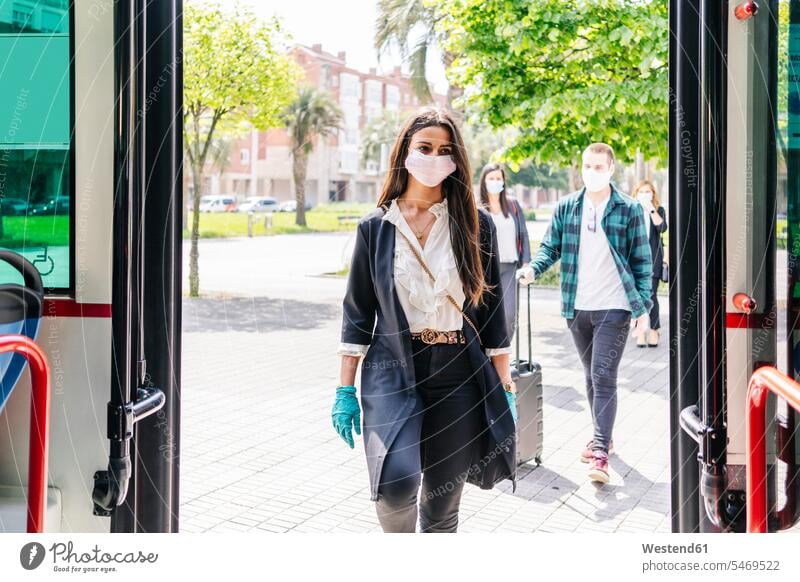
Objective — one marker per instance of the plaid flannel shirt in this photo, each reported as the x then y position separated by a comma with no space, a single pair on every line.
624,226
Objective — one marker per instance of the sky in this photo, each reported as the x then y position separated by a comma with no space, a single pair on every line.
351,30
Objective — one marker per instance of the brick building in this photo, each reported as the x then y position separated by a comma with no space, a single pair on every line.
260,164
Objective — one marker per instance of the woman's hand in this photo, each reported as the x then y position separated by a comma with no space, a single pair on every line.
346,414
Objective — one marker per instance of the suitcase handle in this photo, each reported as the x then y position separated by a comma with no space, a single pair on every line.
530,335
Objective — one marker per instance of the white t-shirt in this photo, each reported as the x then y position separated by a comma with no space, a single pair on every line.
599,283
506,236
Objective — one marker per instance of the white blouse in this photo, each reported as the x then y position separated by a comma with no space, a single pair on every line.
506,236
424,301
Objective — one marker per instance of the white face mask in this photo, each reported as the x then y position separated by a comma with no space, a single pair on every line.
429,170
596,181
494,186
645,196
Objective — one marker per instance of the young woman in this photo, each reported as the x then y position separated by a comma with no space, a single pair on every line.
436,389
656,220
512,235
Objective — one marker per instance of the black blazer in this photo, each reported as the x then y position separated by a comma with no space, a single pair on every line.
372,315
656,248
523,240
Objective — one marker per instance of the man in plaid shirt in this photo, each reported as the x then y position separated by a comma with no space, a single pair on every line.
599,235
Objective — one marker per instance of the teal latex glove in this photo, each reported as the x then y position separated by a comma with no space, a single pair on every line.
346,413
512,404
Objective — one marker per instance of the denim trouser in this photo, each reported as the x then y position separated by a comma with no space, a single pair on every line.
438,443
600,337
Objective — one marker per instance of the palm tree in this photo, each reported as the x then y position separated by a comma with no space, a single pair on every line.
395,22
379,133
312,114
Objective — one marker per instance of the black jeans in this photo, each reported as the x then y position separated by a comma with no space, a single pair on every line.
655,321
436,445
600,337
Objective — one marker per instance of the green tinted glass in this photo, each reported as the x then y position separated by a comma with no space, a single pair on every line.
35,137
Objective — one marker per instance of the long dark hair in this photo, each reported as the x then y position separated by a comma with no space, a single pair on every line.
504,206
457,190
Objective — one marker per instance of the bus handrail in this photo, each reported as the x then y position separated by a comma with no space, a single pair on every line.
764,380
39,427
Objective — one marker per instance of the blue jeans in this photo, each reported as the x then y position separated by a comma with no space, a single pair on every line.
600,337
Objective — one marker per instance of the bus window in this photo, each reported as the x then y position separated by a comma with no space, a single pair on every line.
36,193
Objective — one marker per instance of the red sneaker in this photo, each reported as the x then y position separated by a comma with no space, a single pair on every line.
586,454
598,469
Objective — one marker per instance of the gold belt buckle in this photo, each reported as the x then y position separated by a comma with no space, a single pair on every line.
428,335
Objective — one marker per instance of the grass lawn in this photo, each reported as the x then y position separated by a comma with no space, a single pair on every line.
19,231
323,218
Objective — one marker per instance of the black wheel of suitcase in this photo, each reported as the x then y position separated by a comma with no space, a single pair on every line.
527,375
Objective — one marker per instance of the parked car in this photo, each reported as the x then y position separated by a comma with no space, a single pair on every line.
291,206
13,207
259,204
57,205
218,203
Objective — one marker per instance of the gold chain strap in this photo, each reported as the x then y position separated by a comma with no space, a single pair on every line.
428,271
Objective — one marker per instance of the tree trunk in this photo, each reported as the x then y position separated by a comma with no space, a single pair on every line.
453,91
575,180
641,169
299,167
194,253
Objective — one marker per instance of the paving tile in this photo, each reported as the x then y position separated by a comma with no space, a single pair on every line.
259,456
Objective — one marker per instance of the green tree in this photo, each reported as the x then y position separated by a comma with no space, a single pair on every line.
379,133
312,114
563,73
397,21
236,77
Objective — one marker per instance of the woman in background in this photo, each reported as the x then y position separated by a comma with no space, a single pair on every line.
655,218
512,234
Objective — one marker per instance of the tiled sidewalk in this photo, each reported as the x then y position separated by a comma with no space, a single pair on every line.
259,452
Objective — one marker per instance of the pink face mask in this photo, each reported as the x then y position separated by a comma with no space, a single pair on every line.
429,170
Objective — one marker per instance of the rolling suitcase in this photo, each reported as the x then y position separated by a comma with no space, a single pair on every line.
527,375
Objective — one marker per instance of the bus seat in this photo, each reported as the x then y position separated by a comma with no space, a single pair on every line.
21,307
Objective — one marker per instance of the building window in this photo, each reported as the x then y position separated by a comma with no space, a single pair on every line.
349,86
36,173
348,162
244,157
392,97
325,76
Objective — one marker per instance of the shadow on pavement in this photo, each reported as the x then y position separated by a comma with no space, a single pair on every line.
254,314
